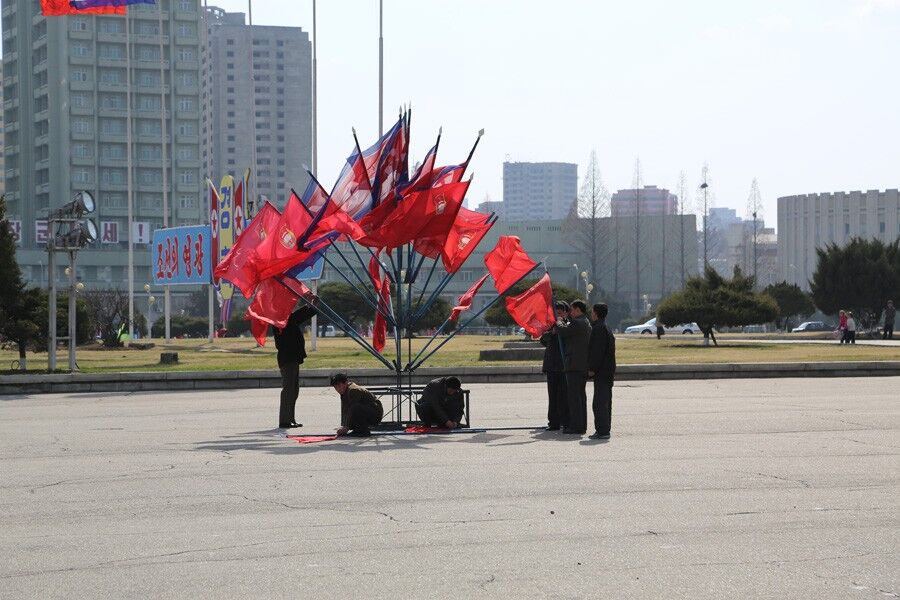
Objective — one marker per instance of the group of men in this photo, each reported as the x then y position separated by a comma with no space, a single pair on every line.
576,350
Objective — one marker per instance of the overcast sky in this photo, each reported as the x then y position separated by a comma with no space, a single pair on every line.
802,94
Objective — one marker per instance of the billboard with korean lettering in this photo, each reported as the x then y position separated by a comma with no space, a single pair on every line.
226,229
181,255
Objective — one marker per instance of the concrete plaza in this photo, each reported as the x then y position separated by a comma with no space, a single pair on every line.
760,488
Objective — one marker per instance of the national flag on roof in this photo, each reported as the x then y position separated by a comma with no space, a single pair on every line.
57,8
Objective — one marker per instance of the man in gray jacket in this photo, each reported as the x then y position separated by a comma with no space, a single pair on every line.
576,336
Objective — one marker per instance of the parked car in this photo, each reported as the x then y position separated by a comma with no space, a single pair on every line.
812,326
754,329
649,328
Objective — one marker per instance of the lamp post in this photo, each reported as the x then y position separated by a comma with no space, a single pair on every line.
587,288
575,266
149,317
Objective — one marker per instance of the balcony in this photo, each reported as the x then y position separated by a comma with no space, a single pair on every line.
42,164
82,111
109,161
106,36
11,150
81,35
83,161
108,186
107,86
11,56
43,140
82,136
113,137
77,60
81,86
42,188
111,61
9,9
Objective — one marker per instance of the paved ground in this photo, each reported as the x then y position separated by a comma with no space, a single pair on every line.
722,489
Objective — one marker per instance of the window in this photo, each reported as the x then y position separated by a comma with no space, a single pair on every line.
187,201
148,176
78,24
79,75
113,151
186,78
187,177
186,30
149,103
80,101
150,152
881,227
82,151
149,53
187,128
230,54
187,5
229,77
114,200
112,76
229,42
113,176
80,49
187,153
186,103
81,176
113,101
112,126
150,128
81,126
110,25
112,51
185,53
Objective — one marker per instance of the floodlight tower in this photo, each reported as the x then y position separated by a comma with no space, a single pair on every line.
69,232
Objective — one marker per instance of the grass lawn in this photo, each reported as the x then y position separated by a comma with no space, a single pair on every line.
236,354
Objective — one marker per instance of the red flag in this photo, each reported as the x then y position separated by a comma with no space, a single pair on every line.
259,329
379,331
56,8
533,308
430,213
335,223
278,252
465,301
424,176
276,299
508,262
462,239
238,265
375,272
391,169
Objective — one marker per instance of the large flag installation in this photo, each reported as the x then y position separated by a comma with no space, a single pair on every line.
374,204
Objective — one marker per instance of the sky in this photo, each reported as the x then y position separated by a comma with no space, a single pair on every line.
802,94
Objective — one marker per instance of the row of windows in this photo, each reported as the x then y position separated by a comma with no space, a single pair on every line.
139,26
119,52
143,77
82,175
119,102
118,151
118,127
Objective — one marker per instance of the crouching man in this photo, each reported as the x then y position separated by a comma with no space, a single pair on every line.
442,403
360,409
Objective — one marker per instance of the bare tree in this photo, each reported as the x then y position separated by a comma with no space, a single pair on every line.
754,211
637,234
108,310
584,221
684,208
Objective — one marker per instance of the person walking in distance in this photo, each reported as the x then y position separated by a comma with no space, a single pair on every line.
851,329
576,335
842,326
602,368
889,314
557,401
291,353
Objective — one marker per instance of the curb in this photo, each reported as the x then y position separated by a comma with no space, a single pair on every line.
226,380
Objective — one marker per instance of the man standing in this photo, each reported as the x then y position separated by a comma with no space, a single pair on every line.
576,335
558,403
360,409
442,403
889,314
602,367
291,353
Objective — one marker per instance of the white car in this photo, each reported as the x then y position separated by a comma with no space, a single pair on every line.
649,328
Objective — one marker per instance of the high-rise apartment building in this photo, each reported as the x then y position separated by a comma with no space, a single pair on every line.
83,110
2,151
257,83
538,191
649,200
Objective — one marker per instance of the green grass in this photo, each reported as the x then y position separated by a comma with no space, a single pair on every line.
238,354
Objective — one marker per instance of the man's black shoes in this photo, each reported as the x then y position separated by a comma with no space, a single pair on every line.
599,436
360,433
551,428
291,425
568,431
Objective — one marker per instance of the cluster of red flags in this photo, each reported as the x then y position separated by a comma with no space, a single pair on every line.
56,8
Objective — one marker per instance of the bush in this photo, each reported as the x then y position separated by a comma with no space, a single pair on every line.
195,327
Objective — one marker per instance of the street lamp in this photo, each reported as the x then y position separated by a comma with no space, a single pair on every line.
575,266
69,232
587,288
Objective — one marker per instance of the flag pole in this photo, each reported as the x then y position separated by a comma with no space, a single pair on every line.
380,68
165,170
475,316
314,322
130,178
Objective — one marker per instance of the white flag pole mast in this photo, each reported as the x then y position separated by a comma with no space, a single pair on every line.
165,165
130,177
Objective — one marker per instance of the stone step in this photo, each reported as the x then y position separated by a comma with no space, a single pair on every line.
522,344
532,354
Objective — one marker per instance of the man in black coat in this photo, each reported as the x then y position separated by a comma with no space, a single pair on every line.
291,353
576,335
602,367
441,403
557,402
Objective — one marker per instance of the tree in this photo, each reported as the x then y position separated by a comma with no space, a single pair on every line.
862,276
347,303
497,316
19,321
791,301
713,301
684,208
107,311
754,211
435,316
583,222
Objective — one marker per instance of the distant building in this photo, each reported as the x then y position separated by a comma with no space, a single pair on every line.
811,221
649,200
538,191
739,252
278,100
718,224
491,207
84,110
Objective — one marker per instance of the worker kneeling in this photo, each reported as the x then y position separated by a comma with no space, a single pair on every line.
442,403
360,409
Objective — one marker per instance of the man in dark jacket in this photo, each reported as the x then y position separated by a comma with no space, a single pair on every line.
442,403
576,335
557,402
889,313
360,409
291,353
602,367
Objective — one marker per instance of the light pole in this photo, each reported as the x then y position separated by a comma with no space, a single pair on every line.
587,289
149,316
705,187
575,266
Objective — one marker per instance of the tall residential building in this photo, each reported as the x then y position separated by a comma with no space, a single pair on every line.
257,82
538,191
811,221
649,200
83,111
2,150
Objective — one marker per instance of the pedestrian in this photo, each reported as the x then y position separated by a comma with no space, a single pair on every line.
557,401
360,409
602,368
842,326
889,313
660,331
576,336
441,403
851,328
291,353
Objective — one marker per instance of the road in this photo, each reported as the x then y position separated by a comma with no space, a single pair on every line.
720,489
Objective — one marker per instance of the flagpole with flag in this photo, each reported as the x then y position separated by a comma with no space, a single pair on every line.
167,308
314,323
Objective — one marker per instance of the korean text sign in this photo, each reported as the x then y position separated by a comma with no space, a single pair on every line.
181,255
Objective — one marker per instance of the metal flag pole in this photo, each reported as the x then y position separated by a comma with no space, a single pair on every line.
165,170
314,323
130,178
253,158
380,68
419,362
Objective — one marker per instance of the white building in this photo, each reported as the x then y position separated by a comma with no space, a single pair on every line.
538,191
811,221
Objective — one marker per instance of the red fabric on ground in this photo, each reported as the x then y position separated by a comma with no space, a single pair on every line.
311,439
